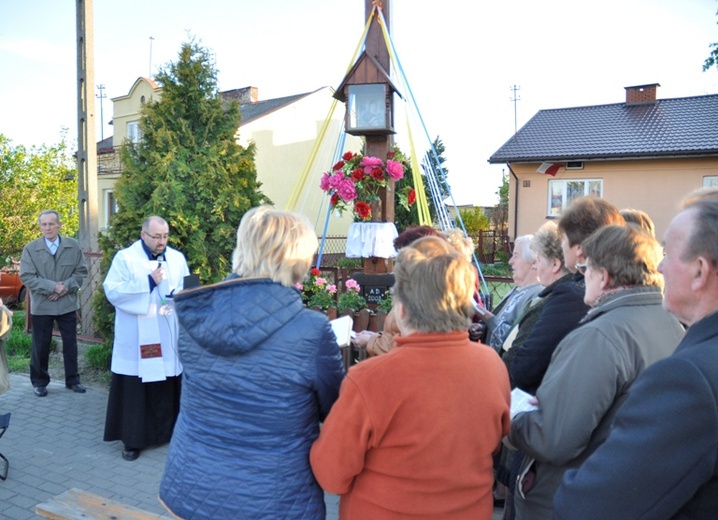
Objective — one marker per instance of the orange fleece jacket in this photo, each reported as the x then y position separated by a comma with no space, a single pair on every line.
413,431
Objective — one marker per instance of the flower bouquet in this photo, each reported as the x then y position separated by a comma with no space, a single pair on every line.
355,181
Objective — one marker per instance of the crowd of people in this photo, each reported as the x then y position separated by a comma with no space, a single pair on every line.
611,337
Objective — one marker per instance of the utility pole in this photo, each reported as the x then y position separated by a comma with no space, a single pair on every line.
101,96
149,73
87,156
516,98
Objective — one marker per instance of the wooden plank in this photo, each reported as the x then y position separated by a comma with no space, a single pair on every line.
76,504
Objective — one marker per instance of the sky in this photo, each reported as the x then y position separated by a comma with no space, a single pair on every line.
461,60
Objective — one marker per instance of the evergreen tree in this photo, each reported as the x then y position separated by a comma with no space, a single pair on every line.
189,169
441,175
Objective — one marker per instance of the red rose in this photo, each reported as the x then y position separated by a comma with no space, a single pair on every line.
348,156
378,174
338,166
411,199
315,271
363,210
390,155
357,174
334,200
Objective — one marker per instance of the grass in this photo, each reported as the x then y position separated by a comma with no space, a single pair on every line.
94,365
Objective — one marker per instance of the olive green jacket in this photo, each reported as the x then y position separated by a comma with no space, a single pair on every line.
40,271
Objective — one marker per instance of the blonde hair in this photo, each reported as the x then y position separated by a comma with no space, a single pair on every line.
274,244
461,242
435,284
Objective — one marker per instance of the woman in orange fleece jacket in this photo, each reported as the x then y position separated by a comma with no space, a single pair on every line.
413,431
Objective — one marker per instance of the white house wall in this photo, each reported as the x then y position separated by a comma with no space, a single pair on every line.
284,140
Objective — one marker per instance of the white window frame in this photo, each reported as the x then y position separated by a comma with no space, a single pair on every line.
710,181
561,192
133,131
111,206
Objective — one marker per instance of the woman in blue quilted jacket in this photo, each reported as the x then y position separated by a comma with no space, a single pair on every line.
260,373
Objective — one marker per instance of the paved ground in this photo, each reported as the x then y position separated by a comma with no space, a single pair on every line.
54,443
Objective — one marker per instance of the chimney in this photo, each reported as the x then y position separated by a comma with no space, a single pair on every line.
641,94
243,96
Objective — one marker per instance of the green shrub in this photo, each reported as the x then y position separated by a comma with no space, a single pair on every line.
350,263
18,320
99,356
18,344
385,303
502,256
497,269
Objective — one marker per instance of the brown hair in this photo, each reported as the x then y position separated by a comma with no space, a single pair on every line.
629,255
585,215
435,284
412,233
639,218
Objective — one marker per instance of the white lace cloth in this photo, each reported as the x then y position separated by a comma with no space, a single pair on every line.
367,239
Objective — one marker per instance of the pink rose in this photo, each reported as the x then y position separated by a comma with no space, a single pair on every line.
332,289
353,284
369,163
320,281
324,182
346,190
395,169
335,180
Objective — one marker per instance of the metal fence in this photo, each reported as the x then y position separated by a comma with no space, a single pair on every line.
94,279
490,245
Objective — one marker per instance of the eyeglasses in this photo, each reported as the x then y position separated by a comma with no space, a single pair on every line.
581,268
158,237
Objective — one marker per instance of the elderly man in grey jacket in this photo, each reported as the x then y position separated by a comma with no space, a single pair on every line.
53,268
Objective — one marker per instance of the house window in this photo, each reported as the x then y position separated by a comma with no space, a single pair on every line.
133,131
110,206
562,192
710,181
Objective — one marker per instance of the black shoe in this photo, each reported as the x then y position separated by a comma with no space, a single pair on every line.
130,454
40,391
77,387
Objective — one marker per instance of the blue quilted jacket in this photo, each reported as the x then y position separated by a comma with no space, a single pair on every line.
260,372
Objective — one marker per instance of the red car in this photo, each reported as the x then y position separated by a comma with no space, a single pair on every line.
12,291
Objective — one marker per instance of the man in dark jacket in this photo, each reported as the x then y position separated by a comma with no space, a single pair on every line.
660,459
53,268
